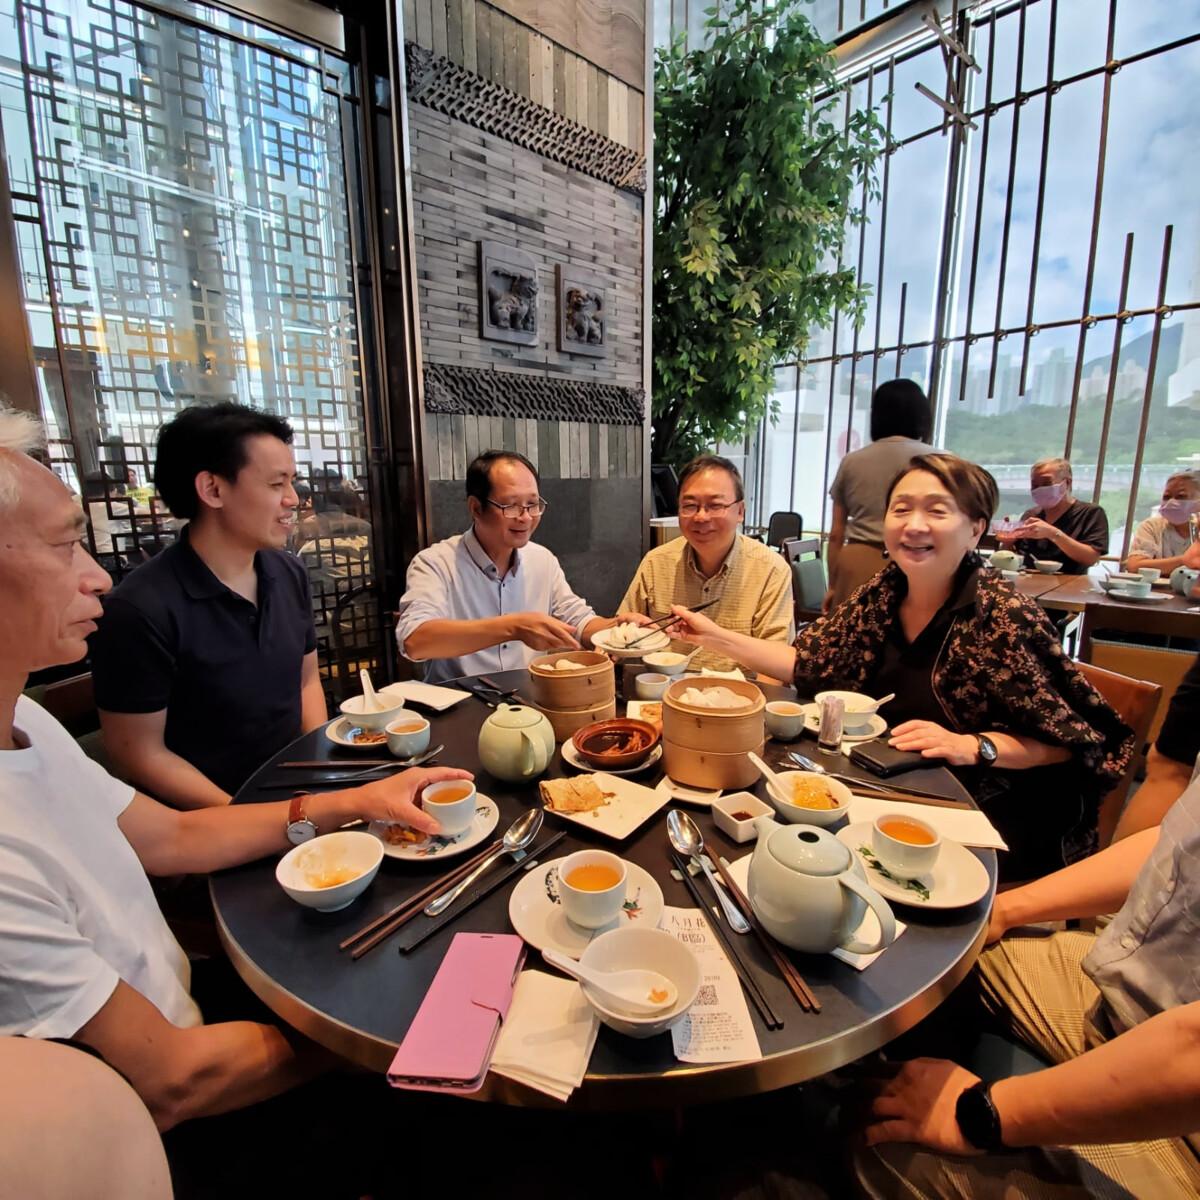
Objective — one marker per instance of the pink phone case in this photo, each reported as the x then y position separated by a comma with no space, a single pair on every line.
449,1044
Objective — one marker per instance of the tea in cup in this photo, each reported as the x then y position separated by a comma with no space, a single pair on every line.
452,804
905,846
591,887
407,735
785,719
1149,574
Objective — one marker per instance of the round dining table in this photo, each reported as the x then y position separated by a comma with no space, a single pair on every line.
288,955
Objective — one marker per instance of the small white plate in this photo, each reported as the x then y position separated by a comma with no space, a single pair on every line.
702,797
572,757
873,728
487,817
537,916
336,732
957,879
1129,597
633,708
630,805
654,642
429,695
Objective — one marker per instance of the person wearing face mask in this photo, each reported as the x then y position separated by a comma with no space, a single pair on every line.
982,683
1059,528
1162,541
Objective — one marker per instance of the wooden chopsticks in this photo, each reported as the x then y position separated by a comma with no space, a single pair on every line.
660,623
384,926
749,983
792,977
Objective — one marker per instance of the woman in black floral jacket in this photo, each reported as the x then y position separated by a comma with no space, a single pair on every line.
982,681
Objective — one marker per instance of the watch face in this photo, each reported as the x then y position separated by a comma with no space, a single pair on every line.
987,750
301,831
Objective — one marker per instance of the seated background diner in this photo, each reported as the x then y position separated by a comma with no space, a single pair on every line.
1161,541
981,682
1058,528
901,421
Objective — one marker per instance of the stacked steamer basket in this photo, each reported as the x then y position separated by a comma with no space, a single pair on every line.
573,699
706,747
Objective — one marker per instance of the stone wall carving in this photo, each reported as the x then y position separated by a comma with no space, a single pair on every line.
456,389
440,84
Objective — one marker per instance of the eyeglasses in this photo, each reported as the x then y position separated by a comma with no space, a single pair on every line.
513,511
688,509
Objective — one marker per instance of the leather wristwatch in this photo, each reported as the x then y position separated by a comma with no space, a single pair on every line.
978,1120
987,750
299,828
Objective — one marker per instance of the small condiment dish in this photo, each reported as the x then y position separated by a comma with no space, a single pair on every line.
668,662
859,707
361,713
348,852
734,815
650,685
799,814
627,948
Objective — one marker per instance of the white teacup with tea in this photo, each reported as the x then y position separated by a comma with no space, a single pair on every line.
452,804
785,719
906,847
591,887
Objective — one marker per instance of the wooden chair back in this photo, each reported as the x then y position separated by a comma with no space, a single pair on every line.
1136,700
71,702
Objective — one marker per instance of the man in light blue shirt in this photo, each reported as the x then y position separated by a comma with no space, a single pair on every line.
491,599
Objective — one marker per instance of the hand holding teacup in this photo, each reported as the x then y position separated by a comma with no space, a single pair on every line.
394,800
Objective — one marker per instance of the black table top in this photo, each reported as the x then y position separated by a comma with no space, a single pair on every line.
289,956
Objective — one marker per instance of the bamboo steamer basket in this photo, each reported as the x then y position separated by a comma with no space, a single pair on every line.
566,721
594,684
704,769
715,730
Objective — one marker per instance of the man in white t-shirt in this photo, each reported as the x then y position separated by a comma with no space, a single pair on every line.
84,950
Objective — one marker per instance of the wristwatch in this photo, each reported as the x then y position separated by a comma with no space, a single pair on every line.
987,750
978,1120
299,828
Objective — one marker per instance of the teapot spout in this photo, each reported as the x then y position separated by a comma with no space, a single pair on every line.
765,824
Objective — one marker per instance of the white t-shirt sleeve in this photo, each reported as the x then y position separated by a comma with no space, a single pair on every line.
52,981
1148,539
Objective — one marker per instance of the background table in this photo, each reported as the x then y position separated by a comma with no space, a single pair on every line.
288,955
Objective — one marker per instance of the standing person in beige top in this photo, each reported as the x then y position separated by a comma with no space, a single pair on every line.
751,583
901,421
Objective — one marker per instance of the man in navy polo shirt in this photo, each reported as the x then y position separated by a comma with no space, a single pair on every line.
205,664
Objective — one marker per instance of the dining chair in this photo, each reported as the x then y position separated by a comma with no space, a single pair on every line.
1136,702
782,526
808,577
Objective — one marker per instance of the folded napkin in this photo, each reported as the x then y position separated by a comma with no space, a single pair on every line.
428,694
547,1040
968,826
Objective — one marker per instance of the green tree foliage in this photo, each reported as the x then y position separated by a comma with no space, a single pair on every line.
755,176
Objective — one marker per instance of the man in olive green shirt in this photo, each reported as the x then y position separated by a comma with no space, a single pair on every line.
751,583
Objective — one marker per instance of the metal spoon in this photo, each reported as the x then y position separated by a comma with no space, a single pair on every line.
636,991
686,837
518,835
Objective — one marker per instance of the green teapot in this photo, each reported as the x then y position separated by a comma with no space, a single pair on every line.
516,743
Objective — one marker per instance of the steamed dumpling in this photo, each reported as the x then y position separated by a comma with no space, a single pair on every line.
621,635
717,697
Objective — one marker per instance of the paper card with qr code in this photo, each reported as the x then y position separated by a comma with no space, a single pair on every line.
717,1027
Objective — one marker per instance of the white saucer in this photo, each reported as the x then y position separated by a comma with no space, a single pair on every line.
1151,599
336,731
873,728
537,915
957,879
487,817
654,642
572,757
701,797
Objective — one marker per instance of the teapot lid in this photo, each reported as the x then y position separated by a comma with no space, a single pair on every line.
514,716
808,850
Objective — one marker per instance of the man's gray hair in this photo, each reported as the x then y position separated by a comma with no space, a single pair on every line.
1192,477
20,433
1060,466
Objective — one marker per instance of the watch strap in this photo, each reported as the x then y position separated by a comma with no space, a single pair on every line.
978,1119
296,809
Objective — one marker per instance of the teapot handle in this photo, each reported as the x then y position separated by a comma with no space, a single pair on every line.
881,908
528,754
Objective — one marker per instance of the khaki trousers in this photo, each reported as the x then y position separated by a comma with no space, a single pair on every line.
857,563
1037,985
